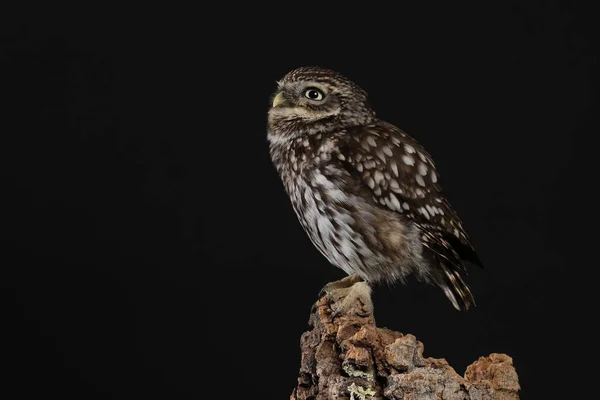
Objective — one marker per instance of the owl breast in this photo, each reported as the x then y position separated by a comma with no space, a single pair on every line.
325,213
351,231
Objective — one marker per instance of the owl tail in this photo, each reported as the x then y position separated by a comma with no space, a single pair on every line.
457,291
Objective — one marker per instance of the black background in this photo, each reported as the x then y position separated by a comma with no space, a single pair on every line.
149,250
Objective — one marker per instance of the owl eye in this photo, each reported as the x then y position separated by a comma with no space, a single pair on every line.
314,94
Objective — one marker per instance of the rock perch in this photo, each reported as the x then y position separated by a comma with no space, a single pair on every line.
350,358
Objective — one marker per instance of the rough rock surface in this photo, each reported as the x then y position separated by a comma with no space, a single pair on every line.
350,358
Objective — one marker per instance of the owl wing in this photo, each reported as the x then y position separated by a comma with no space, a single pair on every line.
402,177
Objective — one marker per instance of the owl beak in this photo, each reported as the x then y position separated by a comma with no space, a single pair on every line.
278,100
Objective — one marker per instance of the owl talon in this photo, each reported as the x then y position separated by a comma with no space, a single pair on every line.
333,315
322,292
365,314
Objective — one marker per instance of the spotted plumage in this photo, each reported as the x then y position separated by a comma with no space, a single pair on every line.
367,194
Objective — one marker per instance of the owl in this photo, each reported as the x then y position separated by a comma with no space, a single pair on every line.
367,194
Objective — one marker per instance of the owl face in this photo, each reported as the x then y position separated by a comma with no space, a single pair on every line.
312,99
306,100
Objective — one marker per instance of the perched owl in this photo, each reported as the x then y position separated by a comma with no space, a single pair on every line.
367,194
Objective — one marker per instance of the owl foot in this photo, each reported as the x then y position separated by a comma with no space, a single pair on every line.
353,299
341,284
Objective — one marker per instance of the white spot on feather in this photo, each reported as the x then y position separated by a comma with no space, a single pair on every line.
371,182
327,147
408,160
420,180
433,177
422,169
369,164
371,141
387,150
409,149
394,168
395,201
388,202
396,188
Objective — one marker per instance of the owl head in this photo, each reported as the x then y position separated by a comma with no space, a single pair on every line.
312,100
